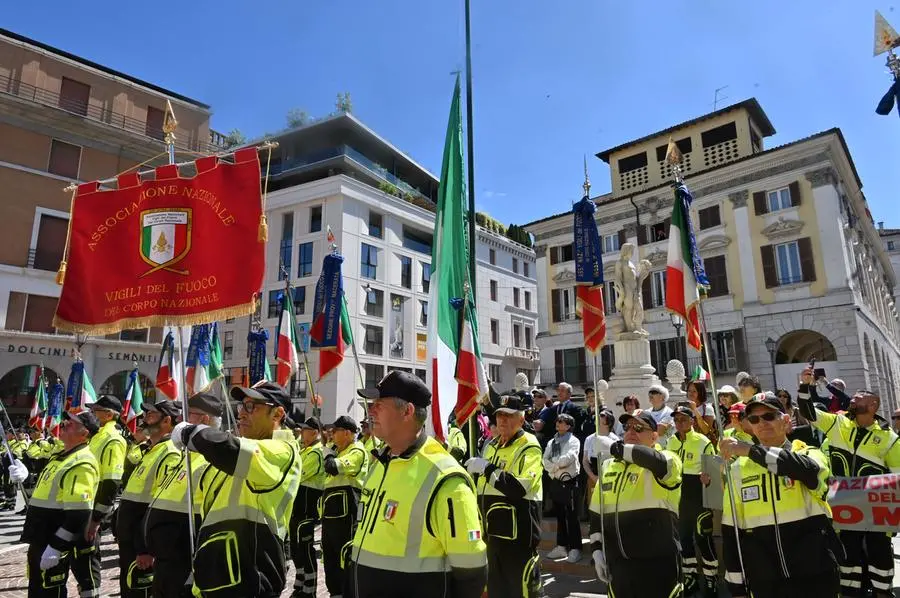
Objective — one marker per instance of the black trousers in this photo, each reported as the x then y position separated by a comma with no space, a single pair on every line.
824,585
513,570
303,553
50,583
133,582
696,525
170,574
336,532
565,506
644,578
84,563
869,562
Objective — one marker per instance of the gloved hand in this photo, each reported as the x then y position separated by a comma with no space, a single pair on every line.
602,444
476,465
177,433
822,388
328,452
50,558
18,473
600,566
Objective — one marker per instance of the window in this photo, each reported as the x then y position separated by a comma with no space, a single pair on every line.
228,345
611,243
609,298
299,300
374,374
138,336
155,120
516,296
492,257
374,339
304,259
494,372
724,351
529,334
562,253
421,375
528,300
684,146
890,245
65,159
493,290
374,305
525,268
709,217
779,200
74,96
405,272
660,230
718,135
633,162
417,240
718,278
375,225
315,219
515,265
517,335
287,244
562,304
426,277
570,365
423,313
662,351
658,288
787,263
368,267
51,242
495,332
274,305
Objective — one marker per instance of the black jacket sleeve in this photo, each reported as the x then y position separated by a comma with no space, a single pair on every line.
72,528
787,463
644,456
106,496
506,482
842,397
805,402
330,465
220,448
468,583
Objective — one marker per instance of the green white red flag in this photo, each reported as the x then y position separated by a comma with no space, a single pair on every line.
39,406
684,272
286,345
134,401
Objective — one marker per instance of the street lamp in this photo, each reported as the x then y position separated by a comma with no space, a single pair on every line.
677,322
771,345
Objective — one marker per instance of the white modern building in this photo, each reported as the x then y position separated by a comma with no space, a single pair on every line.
337,173
796,264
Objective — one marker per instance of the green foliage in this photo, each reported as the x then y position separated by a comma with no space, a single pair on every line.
234,139
297,117
388,188
343,102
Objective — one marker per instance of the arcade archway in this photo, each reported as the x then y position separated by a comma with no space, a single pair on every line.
18,387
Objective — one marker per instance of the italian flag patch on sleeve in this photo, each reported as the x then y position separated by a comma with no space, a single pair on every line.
474,535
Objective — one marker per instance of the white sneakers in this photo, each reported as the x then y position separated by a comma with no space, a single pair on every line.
574,556
557,553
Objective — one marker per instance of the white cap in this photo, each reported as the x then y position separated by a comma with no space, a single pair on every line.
727,389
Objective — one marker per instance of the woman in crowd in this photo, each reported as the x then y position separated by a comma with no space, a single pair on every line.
704,413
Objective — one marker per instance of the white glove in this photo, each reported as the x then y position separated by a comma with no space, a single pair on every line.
600,566
476,465
602,444
50,558
177,433
822,388
18,473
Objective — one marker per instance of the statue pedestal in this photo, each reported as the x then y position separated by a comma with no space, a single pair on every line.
633,374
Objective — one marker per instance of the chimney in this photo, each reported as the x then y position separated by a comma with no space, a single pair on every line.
881,225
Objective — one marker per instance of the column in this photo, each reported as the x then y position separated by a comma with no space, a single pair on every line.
747,255
833,240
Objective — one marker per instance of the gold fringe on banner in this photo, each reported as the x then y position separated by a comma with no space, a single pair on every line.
206,317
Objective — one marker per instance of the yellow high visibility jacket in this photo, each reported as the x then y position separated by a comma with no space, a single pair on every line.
109,448
856,451
419,522
154,468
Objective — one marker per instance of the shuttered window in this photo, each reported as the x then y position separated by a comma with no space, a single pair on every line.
788,263
715,272
774,200
155,120
74,96
51,242
709,217
65,159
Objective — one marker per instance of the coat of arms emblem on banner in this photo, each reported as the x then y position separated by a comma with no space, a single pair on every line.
165,238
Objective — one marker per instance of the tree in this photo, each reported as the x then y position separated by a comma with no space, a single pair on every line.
344,103
234,139
297,117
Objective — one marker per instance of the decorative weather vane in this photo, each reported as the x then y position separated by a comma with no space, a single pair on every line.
886,39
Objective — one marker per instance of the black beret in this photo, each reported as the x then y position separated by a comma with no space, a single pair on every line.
345,422
107,402
86,419
207,403
166,407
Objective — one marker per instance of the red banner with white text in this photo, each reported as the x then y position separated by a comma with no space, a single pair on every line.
174,250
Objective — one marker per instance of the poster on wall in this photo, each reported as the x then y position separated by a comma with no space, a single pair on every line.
421,347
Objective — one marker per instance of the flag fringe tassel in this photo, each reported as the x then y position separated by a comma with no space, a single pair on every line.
206,317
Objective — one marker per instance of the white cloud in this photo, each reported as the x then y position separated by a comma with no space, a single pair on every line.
488,194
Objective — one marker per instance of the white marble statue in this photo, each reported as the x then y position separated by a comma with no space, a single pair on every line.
627,282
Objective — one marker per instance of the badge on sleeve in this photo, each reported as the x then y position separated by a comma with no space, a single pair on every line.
474,535
390,510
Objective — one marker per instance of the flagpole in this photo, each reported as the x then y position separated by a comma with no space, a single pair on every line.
673,157
470,150
169,127
289,289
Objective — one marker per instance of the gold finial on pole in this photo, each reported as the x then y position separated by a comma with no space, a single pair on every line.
587,180
674,158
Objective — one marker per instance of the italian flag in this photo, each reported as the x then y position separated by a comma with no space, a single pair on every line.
166,381
32,376
456,372
81,393
700,374
682,288
39,406
134,401
286,345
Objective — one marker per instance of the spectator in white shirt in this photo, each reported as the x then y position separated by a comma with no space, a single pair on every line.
662,413
561,464
591,459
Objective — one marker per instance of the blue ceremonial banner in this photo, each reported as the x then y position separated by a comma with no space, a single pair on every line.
258,363
326,325
303,336
75,386
588,250
198,350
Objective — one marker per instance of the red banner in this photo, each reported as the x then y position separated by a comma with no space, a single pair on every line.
173,250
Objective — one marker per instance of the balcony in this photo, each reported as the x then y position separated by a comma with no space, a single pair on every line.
520,353
51,99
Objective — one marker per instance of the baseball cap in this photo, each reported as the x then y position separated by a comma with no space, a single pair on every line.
682,410
166,407
207,403
644,416
737,408
400,385
265,391
107,402
345,422
761,398
86,419
511,404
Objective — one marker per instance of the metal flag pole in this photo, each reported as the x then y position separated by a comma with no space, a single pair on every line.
169,127
470,151
673,158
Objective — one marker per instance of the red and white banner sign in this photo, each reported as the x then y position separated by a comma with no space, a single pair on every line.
871,503
172,250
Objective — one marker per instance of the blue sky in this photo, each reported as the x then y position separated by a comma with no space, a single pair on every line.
550,85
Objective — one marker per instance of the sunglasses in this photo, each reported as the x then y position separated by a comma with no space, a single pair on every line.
636,427
250,406
769,417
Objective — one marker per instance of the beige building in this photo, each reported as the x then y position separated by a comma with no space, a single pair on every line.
66,119
796,265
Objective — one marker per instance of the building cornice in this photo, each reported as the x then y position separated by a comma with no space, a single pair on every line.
782,228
